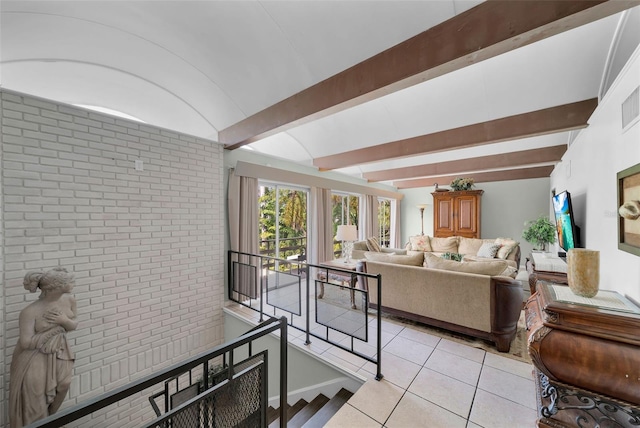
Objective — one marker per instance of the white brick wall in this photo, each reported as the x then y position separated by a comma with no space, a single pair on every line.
3,378
146,247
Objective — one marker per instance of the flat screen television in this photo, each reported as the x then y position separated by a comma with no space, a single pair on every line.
568,232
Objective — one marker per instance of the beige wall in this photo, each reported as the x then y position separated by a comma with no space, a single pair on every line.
505,206
146,247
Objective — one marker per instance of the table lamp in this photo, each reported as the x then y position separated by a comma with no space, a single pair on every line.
347,233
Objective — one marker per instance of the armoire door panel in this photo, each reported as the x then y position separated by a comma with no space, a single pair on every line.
457,213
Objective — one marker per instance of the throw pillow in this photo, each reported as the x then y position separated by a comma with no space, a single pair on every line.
452,256
508,245
470,246
411,260
420,243
490,268
373,244
445,245
510,271
488,250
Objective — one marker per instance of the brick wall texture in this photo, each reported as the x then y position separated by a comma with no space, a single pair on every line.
146,247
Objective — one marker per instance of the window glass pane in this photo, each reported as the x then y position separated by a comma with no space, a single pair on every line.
267,219
292,223
384,222
345,211
283,221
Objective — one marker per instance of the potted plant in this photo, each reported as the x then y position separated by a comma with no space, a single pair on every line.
539,232
462,184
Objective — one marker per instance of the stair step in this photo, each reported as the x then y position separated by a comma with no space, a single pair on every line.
309,410
327,411
291,412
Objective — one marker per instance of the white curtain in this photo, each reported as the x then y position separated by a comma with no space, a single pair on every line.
396,232
242,206
368,216
320,226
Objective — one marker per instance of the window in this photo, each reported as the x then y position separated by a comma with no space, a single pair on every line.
384,222
345,211
283,221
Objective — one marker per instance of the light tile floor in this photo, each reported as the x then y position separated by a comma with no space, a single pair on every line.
428,381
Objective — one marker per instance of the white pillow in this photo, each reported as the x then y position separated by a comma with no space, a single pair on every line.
508,245
488,250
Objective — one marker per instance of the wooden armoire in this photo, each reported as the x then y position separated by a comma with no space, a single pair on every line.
457,213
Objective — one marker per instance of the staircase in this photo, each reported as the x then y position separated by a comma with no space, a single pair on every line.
310,415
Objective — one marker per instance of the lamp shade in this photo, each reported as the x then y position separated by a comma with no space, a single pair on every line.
347,232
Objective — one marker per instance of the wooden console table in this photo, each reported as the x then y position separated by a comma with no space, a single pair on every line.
586,354
546,267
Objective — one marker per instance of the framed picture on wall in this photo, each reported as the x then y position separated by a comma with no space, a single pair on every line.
629,210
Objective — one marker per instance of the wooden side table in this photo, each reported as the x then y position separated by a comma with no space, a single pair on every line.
553,269
346,278
586,354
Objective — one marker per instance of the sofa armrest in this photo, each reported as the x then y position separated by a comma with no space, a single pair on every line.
508,304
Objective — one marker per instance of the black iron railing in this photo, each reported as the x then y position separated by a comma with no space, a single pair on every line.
297,289
287,247
209,390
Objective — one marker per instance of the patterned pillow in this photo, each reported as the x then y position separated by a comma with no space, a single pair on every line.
420,243
488,250
508,246
373,244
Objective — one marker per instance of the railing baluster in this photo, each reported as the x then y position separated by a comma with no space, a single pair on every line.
379,345
283,373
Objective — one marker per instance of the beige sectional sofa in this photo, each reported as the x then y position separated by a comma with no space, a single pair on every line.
473,297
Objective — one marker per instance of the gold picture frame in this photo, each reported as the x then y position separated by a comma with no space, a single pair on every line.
629,191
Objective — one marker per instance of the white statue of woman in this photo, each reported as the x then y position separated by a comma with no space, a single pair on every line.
42,364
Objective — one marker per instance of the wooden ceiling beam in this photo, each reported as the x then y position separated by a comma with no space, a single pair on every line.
502,160
480,177
562,118
484,31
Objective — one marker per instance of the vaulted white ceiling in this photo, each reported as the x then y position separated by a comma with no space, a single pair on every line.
202,66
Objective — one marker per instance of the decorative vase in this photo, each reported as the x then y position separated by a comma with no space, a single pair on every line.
583,271
539,246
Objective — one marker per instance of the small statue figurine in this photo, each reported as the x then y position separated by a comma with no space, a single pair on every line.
42,364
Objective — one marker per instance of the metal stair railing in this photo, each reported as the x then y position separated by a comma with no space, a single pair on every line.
237,397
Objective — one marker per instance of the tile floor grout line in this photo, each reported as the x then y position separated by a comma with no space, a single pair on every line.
475,391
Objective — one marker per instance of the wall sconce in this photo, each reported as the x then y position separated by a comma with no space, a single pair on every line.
422,207
347,233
